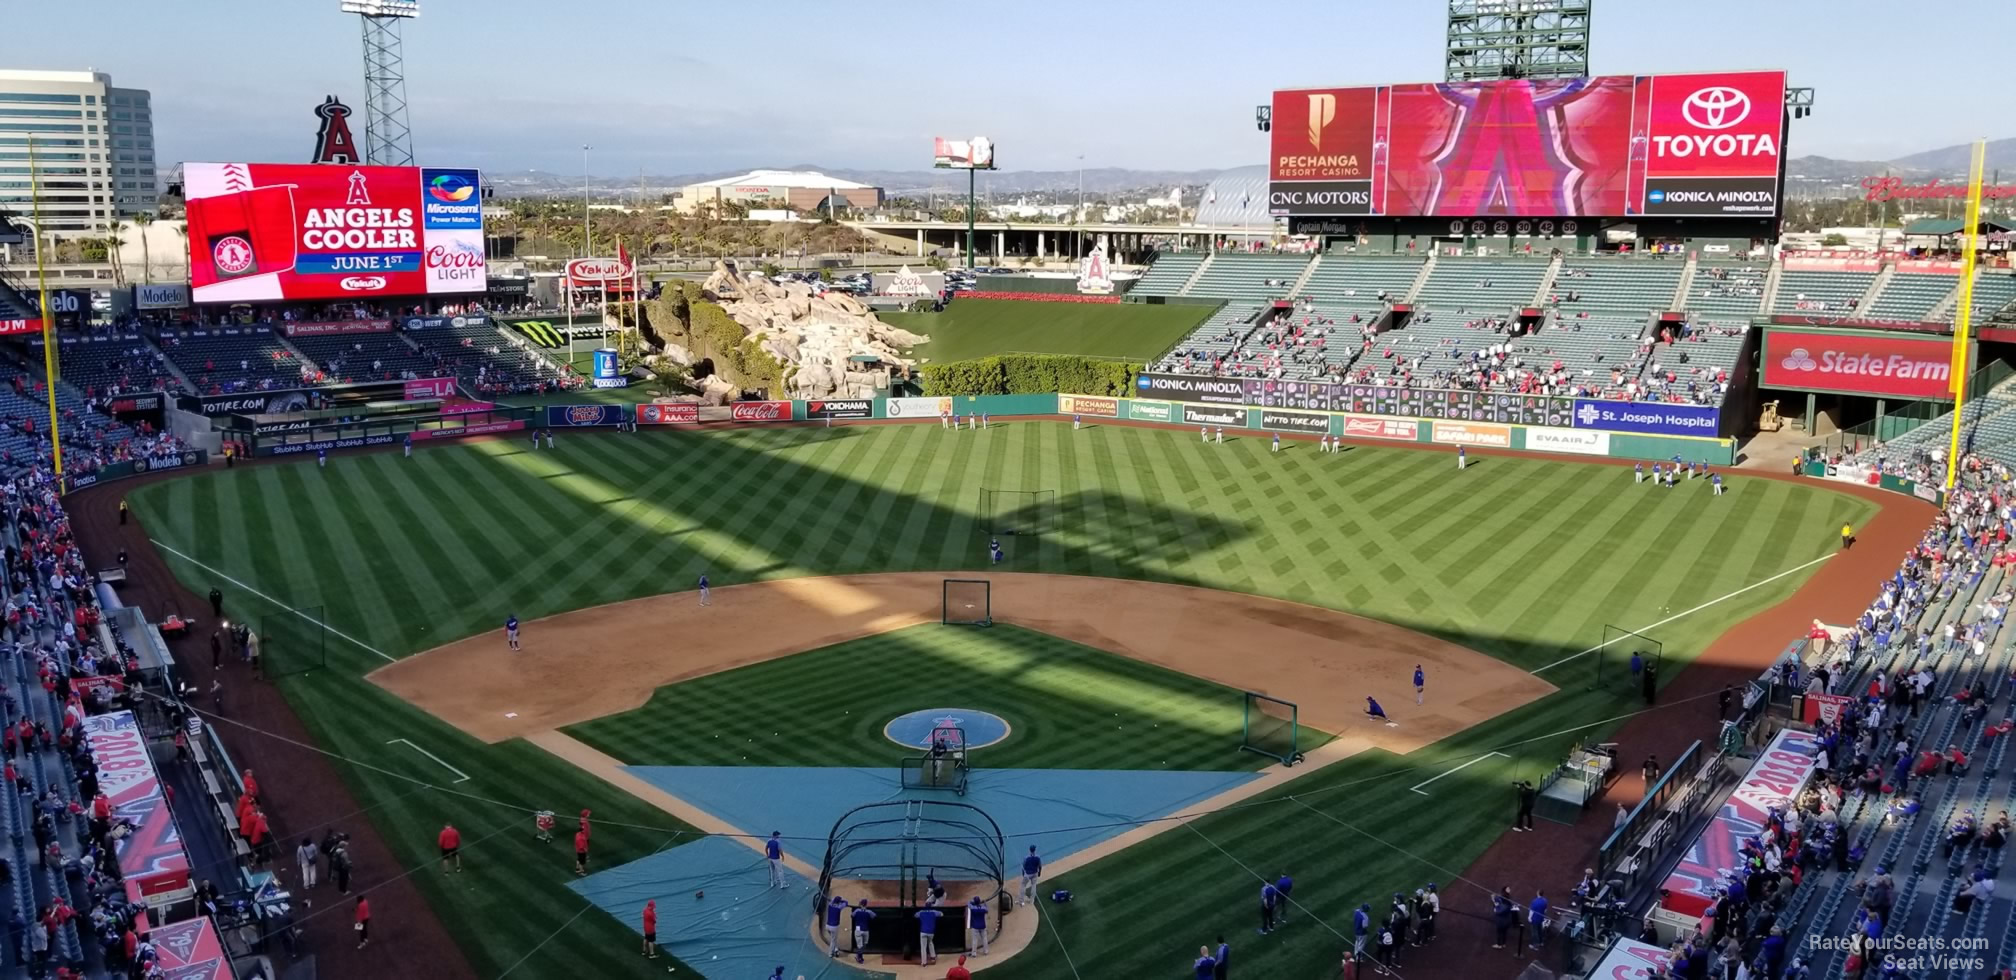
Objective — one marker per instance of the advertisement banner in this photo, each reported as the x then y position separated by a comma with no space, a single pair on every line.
668,413
1647,418
1630,959
1775,779
1862,364
169,461
9,328
437,322
191,950
347,442
420,389
917,408
564,416
860,408
1364,427
327,327
252,402
163,296
152,857
1472,434
265,232
1833,261
761,411
1214,415
1614,145
1105,408
1150,411
479,429
1825,707
1274,418
1586,442
1192,388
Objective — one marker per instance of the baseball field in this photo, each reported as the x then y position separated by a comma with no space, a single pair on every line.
1170,577
979,327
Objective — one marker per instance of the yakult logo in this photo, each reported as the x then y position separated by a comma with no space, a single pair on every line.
359,284
1716,107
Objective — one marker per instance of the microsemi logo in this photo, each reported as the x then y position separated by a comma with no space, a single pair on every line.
1800,360
1715,107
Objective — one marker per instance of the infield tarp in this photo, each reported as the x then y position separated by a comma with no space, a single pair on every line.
741,929
1061,811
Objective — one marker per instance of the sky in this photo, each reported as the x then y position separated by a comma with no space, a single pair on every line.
672,87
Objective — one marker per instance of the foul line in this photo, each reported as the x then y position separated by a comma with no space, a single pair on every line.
1690,612
1417,786
430,755
388,658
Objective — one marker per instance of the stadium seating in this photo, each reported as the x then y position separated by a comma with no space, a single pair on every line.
355,358
1354,283
1821,292
227,359
1726,291
1245,277
1911,297
1169,272
106,363
1481,286
486,360
1994,289
1625,285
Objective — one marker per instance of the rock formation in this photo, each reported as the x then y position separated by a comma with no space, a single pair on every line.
814,336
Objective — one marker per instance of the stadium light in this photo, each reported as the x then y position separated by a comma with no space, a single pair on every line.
383,8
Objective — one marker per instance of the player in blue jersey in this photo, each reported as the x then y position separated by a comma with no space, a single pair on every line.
511,631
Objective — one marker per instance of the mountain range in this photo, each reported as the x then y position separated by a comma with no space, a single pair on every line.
1948,162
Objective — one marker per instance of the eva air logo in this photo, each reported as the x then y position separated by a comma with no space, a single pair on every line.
1799,360
1589,415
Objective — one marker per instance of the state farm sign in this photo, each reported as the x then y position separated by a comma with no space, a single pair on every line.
598,270
1903,367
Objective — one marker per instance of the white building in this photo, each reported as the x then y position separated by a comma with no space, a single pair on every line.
94,149
797,190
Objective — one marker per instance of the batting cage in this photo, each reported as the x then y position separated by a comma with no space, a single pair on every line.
1272,729
945,765
285,641
887,854
967,602
1623,658
1017,511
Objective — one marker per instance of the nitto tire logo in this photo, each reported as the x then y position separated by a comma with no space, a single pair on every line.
1715,107
1800,360
358,284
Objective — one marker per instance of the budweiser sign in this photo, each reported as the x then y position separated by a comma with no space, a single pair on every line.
762,411
598,270
1895,189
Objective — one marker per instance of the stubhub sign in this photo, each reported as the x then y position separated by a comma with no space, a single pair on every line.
1647,418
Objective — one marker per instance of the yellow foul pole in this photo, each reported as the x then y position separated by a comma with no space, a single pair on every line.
1963,321
48,321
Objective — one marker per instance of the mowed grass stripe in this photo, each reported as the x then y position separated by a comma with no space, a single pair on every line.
371,551
454,549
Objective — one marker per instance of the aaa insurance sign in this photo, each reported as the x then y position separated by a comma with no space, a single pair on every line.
266,232
1861,364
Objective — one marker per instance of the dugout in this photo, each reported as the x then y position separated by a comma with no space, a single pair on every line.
887,853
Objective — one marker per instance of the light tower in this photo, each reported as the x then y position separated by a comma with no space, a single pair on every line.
1496,39
388,141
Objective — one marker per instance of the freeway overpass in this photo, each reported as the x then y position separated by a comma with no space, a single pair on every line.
998,239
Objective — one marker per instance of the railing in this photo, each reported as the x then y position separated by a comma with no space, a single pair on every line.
1911,415
1643,819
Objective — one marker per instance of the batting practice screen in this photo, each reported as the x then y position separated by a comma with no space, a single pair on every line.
1017,511
1272,728
967,602
1623,658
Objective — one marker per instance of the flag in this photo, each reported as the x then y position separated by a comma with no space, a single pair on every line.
622,254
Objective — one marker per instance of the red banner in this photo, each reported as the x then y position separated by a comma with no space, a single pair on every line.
151,858
327,327
1040,297
762,411
1322,134
1717,124
668,413
9,328
420,389
190,950
1933,267
1890,365
460,406
1843,261
1825,707
261,232
1369,427
1775,779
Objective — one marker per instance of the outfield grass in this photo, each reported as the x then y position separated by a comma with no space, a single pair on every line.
979,327
1522,559
1055,694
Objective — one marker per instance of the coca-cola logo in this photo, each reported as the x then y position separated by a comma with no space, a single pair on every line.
597,270
358,284
762,411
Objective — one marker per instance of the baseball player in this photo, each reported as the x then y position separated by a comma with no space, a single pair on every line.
1204,434
409,445
1420,684
511,630
1693,469
863,915
983,420
944,422
1221,435
1715,480
1673,477
1462,459
535,440
549,438
1638,472
835,909
1076,423
1032,869
994,549
1372,710
1277,442
773,850
972,421
322,458
703,588
927,935
976,926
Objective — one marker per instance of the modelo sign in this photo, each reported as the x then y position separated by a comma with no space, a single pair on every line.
761,412
262,232
598,270
1862,364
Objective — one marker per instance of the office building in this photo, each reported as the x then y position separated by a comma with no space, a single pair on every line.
94,148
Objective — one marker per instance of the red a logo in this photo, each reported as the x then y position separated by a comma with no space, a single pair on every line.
333,143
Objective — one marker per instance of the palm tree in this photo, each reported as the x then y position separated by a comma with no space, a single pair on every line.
140,222
112,245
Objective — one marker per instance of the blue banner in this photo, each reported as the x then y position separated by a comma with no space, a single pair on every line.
1647,418
558,416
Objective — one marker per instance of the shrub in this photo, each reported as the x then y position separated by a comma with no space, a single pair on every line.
1029,374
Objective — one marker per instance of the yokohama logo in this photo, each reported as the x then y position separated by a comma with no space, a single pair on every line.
762,411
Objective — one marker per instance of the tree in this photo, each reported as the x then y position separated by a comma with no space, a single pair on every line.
113,243
1834,239
936,262
140,222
